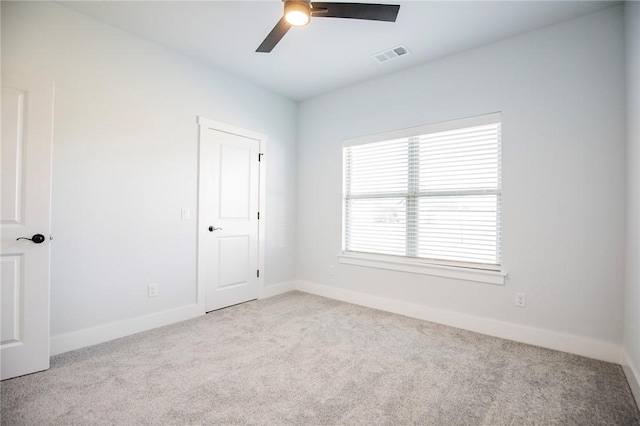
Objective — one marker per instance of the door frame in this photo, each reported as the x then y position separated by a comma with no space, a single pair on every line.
204,125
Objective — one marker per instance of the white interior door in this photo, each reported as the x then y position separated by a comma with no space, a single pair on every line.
27,119
228,217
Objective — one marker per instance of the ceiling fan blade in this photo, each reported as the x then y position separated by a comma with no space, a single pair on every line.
274,36
368,11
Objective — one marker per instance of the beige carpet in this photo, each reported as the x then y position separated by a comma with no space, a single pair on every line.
304,360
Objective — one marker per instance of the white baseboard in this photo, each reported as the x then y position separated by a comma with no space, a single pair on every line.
92,336
103,333
535,336
276,289
589,348
632,376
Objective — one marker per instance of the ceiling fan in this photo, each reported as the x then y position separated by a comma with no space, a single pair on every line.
298,13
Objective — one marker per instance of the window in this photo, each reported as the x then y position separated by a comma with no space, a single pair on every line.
430,194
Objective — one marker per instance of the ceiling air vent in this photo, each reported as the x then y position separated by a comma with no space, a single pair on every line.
390,54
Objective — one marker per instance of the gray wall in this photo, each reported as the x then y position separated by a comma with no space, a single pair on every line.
125,159
561,91
632,297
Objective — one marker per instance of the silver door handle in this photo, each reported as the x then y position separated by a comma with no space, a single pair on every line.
213,228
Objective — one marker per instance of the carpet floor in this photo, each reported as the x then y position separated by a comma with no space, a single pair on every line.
299,359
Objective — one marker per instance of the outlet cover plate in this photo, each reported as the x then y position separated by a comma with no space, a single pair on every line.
152,290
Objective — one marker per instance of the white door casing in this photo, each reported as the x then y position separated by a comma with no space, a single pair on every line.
27,133
228,224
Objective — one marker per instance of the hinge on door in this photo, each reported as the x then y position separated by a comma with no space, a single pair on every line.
258,215
260,156
258,273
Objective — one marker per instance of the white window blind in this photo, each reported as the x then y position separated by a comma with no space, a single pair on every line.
432,196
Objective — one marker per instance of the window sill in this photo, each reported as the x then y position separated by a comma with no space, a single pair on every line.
417,267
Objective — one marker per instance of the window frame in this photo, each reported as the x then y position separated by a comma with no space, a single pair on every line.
486,273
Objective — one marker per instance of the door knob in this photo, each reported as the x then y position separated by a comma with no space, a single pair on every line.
213,228
37,238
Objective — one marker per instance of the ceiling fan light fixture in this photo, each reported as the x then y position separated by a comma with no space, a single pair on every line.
297,13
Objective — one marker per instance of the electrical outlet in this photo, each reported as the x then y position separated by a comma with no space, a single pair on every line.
332,270
152,290
521,300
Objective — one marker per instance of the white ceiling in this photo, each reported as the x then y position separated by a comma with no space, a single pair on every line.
328,53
